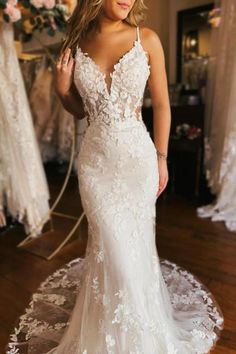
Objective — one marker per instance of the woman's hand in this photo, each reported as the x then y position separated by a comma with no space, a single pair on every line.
64,73
2,219
65,86
163,176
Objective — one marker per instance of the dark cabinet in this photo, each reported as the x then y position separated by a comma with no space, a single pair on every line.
185,156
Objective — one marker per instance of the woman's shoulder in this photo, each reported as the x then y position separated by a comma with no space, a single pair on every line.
147,34
149,38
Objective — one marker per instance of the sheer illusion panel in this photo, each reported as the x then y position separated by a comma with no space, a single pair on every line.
126,94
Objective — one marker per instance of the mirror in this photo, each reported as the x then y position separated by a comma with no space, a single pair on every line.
193,46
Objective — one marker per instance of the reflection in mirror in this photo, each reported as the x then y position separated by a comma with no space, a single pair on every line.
193,47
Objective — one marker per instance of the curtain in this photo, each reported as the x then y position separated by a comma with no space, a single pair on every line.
220,120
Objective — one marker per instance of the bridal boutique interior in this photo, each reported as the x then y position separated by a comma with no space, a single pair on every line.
42,222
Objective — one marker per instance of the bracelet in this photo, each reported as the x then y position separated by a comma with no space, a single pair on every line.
161,155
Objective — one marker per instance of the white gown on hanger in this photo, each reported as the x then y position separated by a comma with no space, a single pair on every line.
118,300
53,124
23,186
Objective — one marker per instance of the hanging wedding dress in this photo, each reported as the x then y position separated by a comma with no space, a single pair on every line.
54,126
118,300
23,187
220,152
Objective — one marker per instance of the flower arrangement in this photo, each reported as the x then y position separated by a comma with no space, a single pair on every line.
188,131
214,17
9,10
35,15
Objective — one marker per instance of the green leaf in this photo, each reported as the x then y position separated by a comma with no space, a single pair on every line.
26,37
26,4
3,4
19,25
38,21
34,10
51,32
32,21
6,17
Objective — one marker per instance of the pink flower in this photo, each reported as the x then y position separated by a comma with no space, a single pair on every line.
12,2
49,4
13,13
37,3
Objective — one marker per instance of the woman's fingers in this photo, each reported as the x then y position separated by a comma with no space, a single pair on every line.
71,63
162,186
2,219
58,62
64,72
66,57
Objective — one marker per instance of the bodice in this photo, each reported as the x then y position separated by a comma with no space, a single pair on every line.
123,101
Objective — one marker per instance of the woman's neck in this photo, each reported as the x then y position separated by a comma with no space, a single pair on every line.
106,25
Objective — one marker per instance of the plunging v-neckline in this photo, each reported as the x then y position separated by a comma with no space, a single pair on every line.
114,68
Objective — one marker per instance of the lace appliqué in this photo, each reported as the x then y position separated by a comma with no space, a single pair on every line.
125,304
127,87
53,291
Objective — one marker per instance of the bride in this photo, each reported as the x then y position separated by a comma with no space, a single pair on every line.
126,301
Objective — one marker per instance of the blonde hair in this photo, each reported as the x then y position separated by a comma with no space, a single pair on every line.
84,19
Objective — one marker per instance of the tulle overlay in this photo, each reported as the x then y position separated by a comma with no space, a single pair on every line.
48,315
123,302
23,186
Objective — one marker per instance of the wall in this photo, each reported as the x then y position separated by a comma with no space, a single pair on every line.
174,7
158,20
204,41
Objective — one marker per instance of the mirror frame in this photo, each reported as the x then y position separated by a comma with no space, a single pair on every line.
180,19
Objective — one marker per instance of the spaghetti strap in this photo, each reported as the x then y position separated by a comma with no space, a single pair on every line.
138,34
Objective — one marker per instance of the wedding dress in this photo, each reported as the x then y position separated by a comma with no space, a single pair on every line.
23,186
220,122
53,124
119,299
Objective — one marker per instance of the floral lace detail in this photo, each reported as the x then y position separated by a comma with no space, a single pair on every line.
23,186
127,87
53,291
204,329
220,134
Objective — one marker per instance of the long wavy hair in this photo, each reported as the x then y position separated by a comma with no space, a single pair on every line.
84,19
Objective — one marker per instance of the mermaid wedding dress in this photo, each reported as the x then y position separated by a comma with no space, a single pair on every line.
119,299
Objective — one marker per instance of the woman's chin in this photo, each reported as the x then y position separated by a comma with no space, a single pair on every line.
120,16
123,13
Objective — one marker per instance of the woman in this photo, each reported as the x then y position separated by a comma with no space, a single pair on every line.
123,305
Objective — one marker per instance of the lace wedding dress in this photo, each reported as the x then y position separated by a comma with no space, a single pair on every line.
220,122
23,186
119,299
53,125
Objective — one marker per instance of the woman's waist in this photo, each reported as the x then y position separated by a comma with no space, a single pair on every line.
116,125
118,136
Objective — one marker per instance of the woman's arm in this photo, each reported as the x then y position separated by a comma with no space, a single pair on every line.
158,87
65,87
